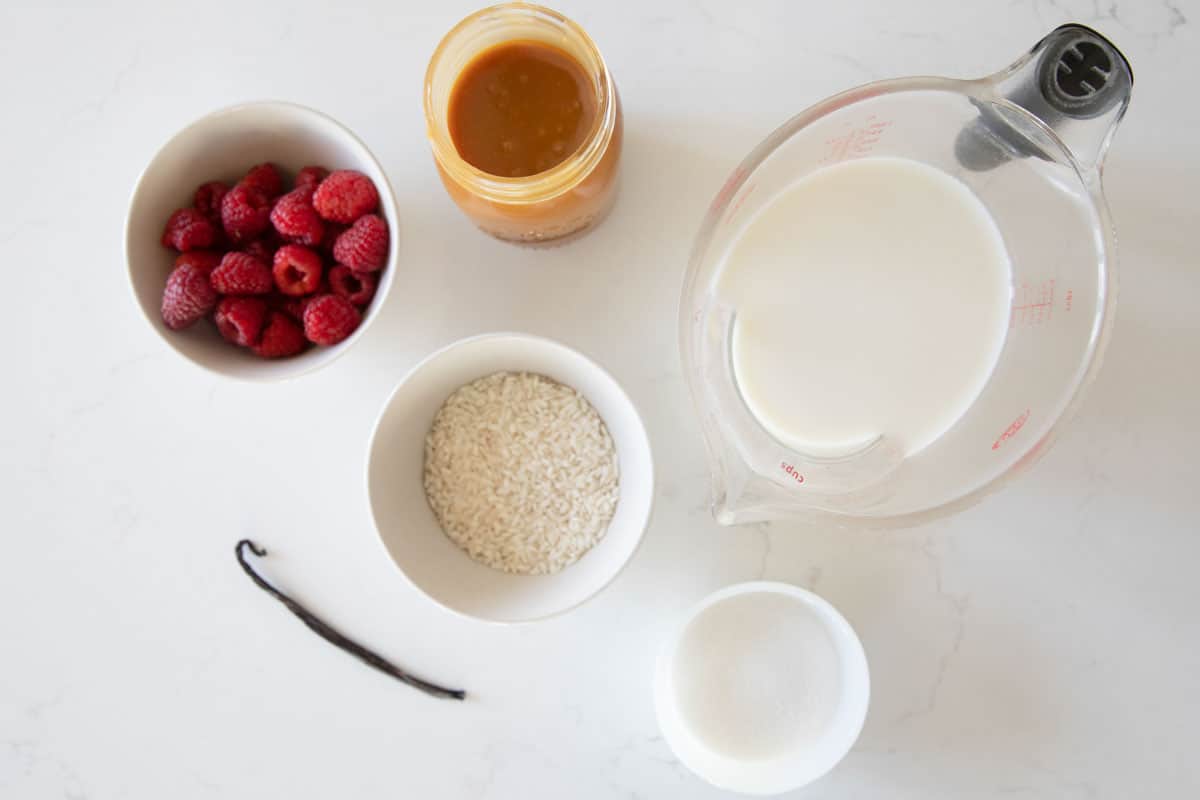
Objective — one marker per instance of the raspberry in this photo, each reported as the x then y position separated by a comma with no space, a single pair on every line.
311,176
297,270
263,249
207,200
357,287
364,247
205,260
332,231
328,319
281,337
241,273
188,295
188,229
296,219
345,196
245,212
240,319
294,306
265,178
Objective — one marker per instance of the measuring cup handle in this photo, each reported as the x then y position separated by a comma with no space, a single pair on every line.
1076,82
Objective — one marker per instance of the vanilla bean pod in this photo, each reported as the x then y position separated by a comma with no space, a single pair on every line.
335,638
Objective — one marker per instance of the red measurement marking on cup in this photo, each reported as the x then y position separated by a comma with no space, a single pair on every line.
727,191
737,204
791,471
1032,455
857,142
1011,430
1067,301
1033,304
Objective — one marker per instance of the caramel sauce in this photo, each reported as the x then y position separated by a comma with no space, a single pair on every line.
520,108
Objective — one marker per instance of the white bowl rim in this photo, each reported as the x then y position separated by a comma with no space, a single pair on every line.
382,291
846,642
542,340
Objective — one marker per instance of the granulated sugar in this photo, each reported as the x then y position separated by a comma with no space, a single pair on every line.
521,472
757,676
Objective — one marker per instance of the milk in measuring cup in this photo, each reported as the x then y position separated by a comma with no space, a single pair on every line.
871,298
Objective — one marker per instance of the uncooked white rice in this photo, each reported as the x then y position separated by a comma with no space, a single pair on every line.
521,472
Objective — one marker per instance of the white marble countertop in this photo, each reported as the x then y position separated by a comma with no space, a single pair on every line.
1044,644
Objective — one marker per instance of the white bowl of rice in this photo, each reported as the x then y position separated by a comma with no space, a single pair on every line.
510,477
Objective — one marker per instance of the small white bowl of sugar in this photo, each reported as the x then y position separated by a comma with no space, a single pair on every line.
763,689
510,477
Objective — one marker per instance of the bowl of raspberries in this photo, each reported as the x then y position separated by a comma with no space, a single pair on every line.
261,240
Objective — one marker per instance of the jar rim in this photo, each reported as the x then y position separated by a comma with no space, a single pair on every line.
540,186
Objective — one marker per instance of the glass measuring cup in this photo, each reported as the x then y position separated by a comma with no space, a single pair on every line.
1030,142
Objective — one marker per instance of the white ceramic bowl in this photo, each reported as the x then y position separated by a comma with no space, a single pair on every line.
795,766
407,527
222,146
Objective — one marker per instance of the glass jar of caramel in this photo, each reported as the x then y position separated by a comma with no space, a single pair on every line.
525,123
